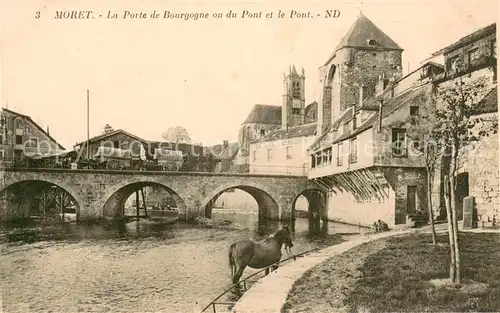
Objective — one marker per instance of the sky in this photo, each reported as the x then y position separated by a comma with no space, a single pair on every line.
147,75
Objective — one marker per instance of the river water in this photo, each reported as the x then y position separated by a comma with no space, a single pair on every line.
134,267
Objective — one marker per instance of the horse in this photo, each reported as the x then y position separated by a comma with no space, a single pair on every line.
259,254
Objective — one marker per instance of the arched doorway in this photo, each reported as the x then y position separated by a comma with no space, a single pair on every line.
145,200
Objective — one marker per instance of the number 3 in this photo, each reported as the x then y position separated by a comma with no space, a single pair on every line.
37,16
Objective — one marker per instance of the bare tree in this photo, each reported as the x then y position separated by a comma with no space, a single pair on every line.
456,117
422,129
177,134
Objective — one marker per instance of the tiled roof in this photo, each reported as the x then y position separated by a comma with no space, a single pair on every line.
114,132
228,152
292,132
389,107
361,31
478,34
36,125
264,114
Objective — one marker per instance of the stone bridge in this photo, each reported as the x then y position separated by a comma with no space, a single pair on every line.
100,194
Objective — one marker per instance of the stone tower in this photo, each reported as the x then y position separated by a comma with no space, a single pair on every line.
293,110
364,56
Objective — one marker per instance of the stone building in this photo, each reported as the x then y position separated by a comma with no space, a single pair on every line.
270,125
350,75
283,150
472,57
366,150
21,139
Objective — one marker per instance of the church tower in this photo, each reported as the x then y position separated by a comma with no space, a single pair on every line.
363,57
293,110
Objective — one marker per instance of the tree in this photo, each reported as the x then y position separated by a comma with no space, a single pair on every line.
177,134
456,124
423,128
108,129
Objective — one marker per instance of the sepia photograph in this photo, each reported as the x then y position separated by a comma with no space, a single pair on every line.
247,156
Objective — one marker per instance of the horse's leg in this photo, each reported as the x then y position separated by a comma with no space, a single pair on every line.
267,271
238,271
274,267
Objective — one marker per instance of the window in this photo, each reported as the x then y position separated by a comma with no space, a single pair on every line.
1,139
353,155
254,155
452,64
116,144
269,154
289,153
262,132
295,110
371,42
414,110
313,161
473,56
365,92
399,148
33,142
19,140
296,90
28,129
1,154
19,123
339,154
329,155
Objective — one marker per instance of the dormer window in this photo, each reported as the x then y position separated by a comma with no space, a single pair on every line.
371,42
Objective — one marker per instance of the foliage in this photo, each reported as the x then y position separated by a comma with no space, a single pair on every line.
177,134
456,113
457,119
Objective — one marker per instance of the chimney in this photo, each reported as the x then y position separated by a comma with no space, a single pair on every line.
48,132
380,105
225,143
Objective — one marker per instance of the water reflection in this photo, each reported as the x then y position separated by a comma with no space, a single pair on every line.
29,231
135,266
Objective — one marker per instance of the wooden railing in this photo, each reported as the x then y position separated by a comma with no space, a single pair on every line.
214,302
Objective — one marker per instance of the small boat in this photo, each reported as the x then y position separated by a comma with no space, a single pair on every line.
164,214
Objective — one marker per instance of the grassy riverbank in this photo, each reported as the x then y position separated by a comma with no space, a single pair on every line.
403,274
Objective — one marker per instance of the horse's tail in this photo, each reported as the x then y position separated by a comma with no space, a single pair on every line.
232,264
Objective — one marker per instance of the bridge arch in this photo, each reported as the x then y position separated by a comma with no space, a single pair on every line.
115,198
21,197
267,203
317,202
